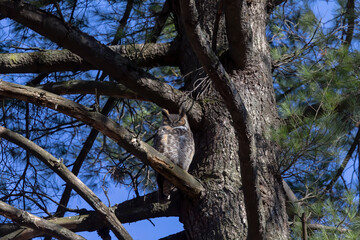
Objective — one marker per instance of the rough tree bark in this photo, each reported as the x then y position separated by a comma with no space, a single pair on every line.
231,209
235,160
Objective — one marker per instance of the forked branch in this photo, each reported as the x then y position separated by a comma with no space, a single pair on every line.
41,225
132,210
145,55
237,109
176,175
101,56
60,169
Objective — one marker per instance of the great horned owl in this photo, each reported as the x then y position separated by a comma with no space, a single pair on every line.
175,140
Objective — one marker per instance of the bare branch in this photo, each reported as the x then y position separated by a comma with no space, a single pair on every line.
344,163
132,210
89,222
6,228
291,201
60,211
110,89
104,58
176,175
59,168
145,55
146,207
26,219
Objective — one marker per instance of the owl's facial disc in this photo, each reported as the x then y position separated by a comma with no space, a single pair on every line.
181,121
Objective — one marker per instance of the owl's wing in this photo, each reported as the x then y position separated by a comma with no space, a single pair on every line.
165,187
161,139
186,150
157,140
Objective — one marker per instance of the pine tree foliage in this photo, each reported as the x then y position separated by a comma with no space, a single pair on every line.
317,82
316,76
30,183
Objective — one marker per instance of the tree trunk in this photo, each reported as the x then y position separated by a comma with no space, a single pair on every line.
229,208
222,213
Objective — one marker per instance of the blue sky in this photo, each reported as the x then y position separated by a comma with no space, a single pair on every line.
138,230
168,225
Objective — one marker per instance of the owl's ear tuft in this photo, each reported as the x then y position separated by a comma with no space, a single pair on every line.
165,113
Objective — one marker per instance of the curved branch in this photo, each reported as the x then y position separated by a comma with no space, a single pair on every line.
99,55
145,55
60,169
344,163
39,224
176,175
132,210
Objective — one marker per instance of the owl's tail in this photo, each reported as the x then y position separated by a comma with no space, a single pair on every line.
165,189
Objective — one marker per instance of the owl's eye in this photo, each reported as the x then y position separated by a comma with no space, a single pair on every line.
181,121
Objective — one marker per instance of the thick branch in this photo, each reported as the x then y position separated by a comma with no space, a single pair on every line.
292,203
90,87
26,219
6,228
132,210
101,56
145,55
60,169
180,178
89,222
215,69
239,114
146,207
